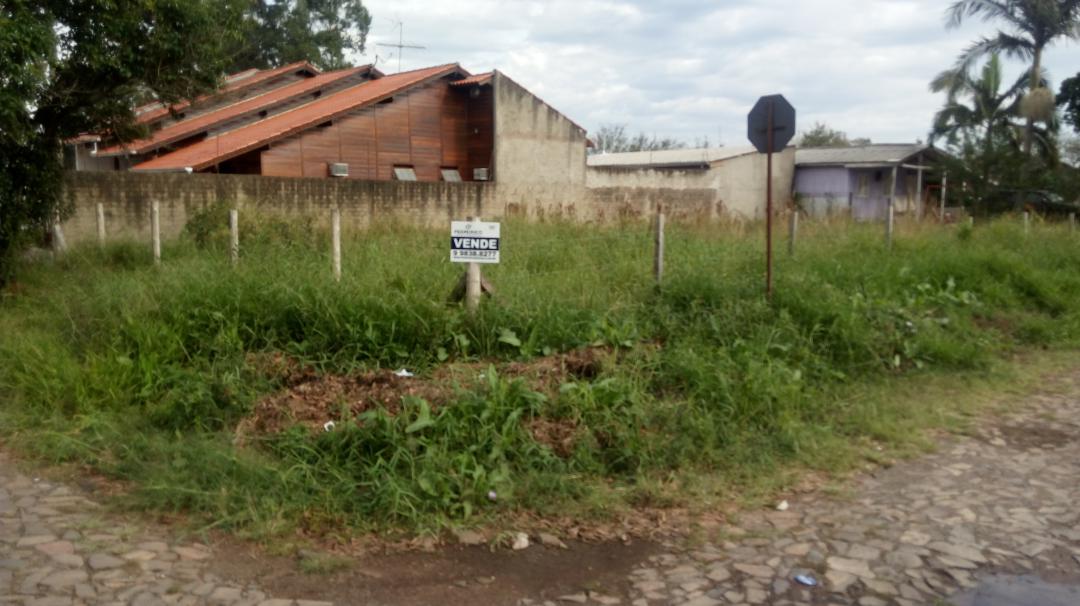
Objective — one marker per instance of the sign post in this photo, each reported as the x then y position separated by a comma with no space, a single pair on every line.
771,126
475,243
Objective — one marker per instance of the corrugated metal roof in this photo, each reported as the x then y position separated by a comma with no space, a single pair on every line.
867,154
233,82
217,149
673,158
477,79
192,126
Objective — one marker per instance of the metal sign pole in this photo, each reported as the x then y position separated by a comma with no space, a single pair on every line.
768,208
770,126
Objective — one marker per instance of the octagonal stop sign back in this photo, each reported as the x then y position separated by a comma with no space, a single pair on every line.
783,115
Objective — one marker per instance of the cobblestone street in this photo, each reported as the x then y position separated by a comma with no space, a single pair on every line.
59,549
999,502
1003,501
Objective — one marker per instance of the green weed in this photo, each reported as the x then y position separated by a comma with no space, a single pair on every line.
143,373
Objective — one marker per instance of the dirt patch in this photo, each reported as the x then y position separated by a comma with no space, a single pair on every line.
1033,435
310,399
999,322
454,576
560,435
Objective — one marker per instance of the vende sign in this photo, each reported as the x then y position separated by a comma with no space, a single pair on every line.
474,242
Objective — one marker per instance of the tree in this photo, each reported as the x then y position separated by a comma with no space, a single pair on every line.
277,32
978,116
613,139
75,66
1030,27
982,127
1070,151
823,136
1069,99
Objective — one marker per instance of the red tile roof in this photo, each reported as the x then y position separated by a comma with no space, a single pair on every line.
233,82
193,126
213,150
477,79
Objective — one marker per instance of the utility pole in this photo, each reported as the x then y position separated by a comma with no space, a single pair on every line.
400,46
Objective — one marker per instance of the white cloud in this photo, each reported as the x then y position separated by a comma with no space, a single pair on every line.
693,68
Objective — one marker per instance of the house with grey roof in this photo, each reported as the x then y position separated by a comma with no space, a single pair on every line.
731,178
862,180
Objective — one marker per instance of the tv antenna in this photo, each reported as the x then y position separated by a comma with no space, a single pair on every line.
400,46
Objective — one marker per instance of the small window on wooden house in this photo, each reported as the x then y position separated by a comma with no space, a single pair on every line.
451,175
404,173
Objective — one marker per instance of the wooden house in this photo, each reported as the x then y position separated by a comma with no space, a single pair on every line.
432,124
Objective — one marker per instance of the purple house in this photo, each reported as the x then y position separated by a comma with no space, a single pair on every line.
860,180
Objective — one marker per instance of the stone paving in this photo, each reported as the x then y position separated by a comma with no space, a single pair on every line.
1001,501
57,549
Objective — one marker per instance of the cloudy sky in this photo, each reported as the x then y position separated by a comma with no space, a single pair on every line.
693,68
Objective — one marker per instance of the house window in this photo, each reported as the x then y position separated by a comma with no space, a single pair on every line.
451,175
862,185
404,173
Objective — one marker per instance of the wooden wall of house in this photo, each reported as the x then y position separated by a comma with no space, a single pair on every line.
429,128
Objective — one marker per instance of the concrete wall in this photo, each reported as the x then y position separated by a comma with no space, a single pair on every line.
539,159
127,199
740,183
734,187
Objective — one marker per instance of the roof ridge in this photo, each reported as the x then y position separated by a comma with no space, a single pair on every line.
242,146
299,86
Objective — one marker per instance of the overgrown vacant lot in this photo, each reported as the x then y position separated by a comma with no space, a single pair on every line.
579,389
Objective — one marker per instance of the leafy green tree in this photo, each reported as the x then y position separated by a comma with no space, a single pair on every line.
823,136
981,125
277,32
74,66
1030,27
1069,99
977,114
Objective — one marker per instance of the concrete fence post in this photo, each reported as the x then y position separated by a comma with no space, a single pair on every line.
101,224
793,232
1072,222
890,218
155,230
473,283
234,236
658,258
59,242
335,228
1027,223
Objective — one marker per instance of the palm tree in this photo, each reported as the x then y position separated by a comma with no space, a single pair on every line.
1032,26
977,113
980,122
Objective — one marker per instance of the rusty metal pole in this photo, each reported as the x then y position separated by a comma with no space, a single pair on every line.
768,208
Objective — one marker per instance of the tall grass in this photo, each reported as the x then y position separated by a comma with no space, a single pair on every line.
142,372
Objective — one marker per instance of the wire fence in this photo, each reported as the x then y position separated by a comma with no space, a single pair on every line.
643,249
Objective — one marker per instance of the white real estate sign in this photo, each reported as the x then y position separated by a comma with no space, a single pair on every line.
474,242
